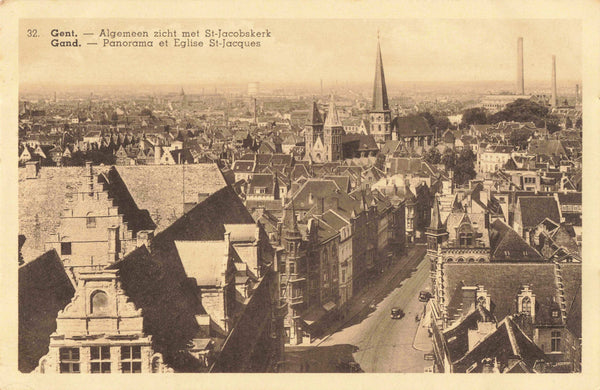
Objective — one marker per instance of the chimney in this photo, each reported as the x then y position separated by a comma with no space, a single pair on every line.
554,100
469,294
520,75
143,237
576,94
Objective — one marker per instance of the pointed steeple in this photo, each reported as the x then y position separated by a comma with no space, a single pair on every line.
380,97
436,220
315,116
332,119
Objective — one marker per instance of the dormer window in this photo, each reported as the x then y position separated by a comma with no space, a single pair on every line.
526,302
555,313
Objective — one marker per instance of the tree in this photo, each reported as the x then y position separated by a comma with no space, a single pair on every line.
448,159
433,156
520,138
464,169
521,110
474,116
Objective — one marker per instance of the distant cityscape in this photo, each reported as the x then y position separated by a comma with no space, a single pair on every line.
334,227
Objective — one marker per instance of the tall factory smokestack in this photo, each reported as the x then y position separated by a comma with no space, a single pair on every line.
554,100
520,77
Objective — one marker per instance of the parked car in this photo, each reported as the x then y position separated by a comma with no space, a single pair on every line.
424,296
397,313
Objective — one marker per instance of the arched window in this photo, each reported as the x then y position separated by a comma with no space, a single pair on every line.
460,260
471,260
99,303
526,306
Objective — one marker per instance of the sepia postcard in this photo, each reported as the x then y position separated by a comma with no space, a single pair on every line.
299,194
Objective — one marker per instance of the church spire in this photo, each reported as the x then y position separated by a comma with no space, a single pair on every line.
315,116
380,97
332,119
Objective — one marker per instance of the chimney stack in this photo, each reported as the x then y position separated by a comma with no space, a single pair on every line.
554,100
520,75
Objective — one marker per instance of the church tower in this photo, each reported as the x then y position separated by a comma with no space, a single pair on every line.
332,134
380,116
313,131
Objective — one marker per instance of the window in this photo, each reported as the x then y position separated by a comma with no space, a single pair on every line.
99,303
100,359
343,276
555,341
555,313
292,268
90,222
65,248
69,360
131,360
526,306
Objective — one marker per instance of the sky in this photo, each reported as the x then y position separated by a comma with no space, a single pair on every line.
306,51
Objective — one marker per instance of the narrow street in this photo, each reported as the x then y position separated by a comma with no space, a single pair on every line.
386,344
369,336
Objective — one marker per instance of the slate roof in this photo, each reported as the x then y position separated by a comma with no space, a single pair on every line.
457,336
261,180
569,198
571,275
507,341
534,209
507,245
411,126
503,282
546,147
44,290
243,166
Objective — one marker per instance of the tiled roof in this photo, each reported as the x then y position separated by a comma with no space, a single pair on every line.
508,340
503,282
534,209
262,180
508,245
571,275
411,126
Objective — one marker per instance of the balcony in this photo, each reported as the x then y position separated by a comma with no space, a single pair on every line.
297,300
